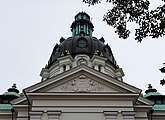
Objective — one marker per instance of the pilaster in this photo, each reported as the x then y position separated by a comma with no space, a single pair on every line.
111,115
54,115
96,67
128,115
67,67
61,69
102,69
35,115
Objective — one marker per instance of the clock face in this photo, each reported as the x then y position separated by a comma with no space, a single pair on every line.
82,43
82,62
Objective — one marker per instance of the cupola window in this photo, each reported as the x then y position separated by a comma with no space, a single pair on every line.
5,101
99,68
158,102
82,28
64,68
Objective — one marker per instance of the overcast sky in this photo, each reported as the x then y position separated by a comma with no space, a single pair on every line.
29,29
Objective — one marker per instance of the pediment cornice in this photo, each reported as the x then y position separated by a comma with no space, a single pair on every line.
82,79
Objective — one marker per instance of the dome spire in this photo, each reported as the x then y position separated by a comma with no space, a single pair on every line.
82,24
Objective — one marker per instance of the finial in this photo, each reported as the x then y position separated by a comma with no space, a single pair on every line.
14,85
149,86
68,53
82,9
162,82
95,52
150,89
13,89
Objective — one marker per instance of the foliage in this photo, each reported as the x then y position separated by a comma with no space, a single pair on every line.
151,23
162,82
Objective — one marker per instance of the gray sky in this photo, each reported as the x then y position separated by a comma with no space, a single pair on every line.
29,29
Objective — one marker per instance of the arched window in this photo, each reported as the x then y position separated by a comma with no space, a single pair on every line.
93,67
64,68
99,68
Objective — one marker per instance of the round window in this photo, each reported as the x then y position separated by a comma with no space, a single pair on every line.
82,43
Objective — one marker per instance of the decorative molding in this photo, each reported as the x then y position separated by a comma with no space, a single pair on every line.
52,115
82,84
82,61
35,115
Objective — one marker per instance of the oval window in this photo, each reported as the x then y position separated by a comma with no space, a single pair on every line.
82,43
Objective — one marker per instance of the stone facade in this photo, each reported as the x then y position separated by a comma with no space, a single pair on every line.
81,82
83,93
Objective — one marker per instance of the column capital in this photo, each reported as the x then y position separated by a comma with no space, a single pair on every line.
128,115
35,115
110,115
54,115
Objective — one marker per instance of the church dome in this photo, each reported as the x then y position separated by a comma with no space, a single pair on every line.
82,49
82,42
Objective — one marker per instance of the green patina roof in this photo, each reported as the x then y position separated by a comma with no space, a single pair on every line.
5,106
158,107
152,94
11,93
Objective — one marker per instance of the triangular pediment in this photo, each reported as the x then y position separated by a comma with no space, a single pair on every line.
82,79
82,83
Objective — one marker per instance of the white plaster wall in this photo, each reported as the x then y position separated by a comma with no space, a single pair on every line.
84,102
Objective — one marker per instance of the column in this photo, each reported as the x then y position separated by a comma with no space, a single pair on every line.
130,115
96,67
102,69
54,115
111,115
35,115
61,69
